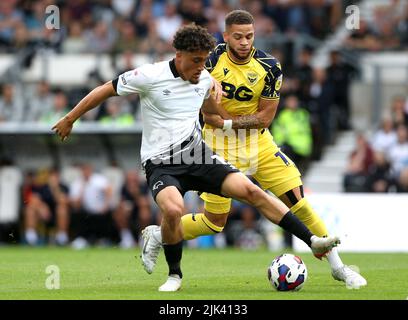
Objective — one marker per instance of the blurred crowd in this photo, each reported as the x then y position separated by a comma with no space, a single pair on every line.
379,162
80,206
319,95
105,26
147,26
43,105
386,31
76,205
314,105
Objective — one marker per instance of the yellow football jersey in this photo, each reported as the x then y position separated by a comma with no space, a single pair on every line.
254,153
245,83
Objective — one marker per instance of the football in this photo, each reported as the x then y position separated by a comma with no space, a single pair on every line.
287,272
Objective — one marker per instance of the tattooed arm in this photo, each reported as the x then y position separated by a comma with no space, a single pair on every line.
261,119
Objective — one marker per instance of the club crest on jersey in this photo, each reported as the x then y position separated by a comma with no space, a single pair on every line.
158,184
252,77
200,91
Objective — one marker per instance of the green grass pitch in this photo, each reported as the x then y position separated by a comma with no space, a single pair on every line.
115,274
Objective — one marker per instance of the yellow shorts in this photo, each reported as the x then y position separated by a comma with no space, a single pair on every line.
257,155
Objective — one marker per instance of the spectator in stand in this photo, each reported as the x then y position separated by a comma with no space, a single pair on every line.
10,18
79,10
90,198
168,24
339,74
402,181
385,137
133,99
35,21
243,228
321,104
249,232
402,28
127,39
291,130
264,26
318,15
399,114
363,38
124,8
11,104
117,113
303,75
21,40
192,11
388,37
101,38
75,41
145,27
398,154
40,102
355,178
217,10
59,108
214,30
379,175
133,213
48,202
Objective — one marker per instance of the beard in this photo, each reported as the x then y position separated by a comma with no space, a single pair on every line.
239,56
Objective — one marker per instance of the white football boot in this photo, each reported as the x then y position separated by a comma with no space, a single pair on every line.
172,284
321,246
152,243
351,278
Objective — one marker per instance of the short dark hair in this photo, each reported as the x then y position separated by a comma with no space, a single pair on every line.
193,38
238,17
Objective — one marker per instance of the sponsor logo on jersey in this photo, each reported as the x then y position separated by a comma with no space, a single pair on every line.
166,92
226,70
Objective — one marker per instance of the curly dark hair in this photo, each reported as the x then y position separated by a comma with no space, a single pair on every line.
193,38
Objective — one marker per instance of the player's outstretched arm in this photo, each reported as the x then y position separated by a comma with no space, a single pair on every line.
93,99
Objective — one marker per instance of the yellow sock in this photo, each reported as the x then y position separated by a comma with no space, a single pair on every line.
304,211
197,224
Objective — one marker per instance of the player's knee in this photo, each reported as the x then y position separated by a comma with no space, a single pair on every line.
252,193
172,211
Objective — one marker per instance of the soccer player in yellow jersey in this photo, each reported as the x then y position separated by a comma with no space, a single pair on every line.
251,80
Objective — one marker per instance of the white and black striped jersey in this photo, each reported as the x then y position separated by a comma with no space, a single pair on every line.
170,106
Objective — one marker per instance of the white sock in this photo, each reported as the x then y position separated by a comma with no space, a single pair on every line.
31,236
126,235
61,237
334,259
